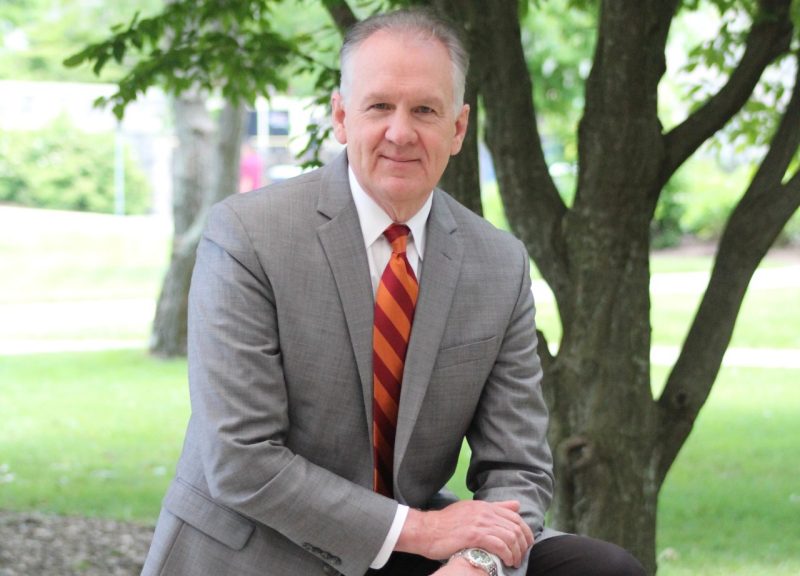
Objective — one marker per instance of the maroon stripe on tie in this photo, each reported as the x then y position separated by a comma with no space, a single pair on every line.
396,340
398,292
385,424
386,378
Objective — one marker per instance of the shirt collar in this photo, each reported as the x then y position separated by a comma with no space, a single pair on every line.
374,220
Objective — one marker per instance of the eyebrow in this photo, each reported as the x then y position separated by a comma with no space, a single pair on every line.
432,101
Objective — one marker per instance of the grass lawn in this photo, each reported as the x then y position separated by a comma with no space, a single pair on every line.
98,433
50,255
769,318
90,433
731,503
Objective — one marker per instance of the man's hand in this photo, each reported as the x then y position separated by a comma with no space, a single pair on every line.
496,527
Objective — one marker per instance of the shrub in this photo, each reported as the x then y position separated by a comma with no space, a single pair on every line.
64,168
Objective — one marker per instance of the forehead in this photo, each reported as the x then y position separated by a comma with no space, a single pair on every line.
396,61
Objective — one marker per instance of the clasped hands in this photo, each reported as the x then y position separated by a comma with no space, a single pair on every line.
496,527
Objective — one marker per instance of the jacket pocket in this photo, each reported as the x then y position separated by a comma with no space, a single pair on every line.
212,519
465,352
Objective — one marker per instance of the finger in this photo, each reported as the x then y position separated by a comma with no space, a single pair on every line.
510,538
509,509
519,538
499,548
510,550
512,505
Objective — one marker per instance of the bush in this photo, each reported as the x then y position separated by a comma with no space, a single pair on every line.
63,168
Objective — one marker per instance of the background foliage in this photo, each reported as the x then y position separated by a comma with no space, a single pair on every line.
64,168
36,34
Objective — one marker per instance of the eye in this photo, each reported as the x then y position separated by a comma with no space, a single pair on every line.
379,106
425,110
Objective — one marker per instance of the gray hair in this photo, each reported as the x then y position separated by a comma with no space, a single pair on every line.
419,21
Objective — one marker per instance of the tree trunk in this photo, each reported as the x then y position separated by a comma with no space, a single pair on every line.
206,169
595,257
462,177
599,386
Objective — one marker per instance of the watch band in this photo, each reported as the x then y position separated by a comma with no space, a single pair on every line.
479,558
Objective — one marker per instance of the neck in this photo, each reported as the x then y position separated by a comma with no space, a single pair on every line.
401,213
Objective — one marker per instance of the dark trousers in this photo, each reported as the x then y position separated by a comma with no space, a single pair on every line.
566,555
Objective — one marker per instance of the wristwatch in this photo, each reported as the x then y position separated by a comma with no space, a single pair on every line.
479,558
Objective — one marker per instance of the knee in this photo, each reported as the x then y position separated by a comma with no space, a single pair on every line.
603,558
620,562
572,554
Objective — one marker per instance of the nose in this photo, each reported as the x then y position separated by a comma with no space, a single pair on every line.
401,131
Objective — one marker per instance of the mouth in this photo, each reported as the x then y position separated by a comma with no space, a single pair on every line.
398,159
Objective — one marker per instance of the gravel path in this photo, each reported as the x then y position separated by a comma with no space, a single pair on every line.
40,545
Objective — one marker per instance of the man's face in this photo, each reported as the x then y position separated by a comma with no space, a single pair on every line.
399,121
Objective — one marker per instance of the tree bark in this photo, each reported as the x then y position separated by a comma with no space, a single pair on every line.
462,176
206,168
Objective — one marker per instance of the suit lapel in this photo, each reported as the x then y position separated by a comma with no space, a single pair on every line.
343,244
440,270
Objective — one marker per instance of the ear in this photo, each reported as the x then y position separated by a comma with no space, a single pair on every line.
462,123
337,117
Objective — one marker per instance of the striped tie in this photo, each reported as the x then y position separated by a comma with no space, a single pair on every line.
394,313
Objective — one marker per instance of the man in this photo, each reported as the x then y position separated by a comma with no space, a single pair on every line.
348,328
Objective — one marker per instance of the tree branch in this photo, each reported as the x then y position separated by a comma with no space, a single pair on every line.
758,218
769,37
532,202
341,14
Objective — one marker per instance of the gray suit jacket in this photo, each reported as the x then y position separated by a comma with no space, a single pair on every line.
276,471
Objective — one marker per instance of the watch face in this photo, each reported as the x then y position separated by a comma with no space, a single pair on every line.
480,557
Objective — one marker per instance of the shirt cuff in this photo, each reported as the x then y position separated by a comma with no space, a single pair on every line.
391,538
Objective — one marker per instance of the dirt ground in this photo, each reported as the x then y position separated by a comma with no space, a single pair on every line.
42,545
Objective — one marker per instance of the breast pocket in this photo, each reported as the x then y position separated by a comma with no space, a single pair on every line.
464,353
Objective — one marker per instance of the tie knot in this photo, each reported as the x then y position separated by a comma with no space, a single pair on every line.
397,235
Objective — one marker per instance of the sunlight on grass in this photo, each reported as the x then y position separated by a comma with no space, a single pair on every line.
90,433
769,318
733,494
54,255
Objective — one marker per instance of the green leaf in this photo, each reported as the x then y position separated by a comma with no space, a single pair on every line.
119,50
76,59
102,58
